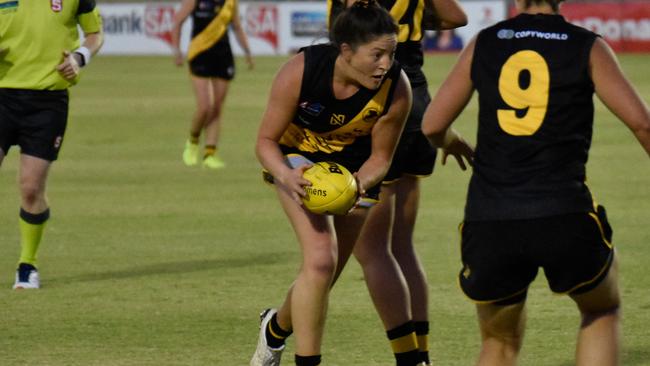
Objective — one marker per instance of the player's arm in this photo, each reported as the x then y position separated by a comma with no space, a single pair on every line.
280,110
385,136
179,18
618,94
445,14
90,22
241,36
450,100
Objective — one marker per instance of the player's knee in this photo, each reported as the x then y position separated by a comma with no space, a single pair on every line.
372,254
321,268
589,316
203,112
31,193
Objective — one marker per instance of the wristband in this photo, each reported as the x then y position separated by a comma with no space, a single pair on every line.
85,55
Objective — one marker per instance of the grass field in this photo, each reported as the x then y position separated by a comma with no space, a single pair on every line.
146,262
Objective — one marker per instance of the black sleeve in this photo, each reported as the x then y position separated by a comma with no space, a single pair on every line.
85,6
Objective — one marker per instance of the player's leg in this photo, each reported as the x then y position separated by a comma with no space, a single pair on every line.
384,279
42,126
34,213
585,266
407,197
502,333
309,296
203,96
219,88
278,326
599,335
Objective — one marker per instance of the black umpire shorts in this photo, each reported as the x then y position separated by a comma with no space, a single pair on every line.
501,258
35,120
215,62
414,154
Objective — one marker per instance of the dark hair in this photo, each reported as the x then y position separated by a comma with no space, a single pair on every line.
361,23
555,4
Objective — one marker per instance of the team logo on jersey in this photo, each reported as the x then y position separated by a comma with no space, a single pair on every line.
313,109
370,115
56,5
337,119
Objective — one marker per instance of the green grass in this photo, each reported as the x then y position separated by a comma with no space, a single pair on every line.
147,262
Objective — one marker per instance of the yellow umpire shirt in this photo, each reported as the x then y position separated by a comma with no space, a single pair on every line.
33,36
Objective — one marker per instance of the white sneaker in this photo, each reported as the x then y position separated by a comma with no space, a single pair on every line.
265,355
27,277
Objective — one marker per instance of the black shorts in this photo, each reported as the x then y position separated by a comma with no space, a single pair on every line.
35,120
215,62
414,154
501,258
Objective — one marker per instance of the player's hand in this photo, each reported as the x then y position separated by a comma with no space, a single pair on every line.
361,194
456,146
294,182
178,57
249,61
69,66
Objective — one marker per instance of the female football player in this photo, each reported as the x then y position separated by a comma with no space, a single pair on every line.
528,205
350,108
211,69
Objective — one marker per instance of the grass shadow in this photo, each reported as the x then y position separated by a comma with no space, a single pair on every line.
172,268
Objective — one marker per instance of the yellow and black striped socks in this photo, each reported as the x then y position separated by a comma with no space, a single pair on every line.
404,344
31,232
422,333
275,336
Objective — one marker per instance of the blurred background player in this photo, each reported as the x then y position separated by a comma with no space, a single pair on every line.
212,67
40,59
345,102
528,205
392,270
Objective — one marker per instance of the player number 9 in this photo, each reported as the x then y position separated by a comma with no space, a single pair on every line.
531,100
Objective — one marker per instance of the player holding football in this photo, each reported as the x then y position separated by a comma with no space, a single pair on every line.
350,108
212,67
392,270
528,205
40,59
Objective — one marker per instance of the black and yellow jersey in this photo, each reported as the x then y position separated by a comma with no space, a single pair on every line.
210,21
331,128
408,15
34,34
535,119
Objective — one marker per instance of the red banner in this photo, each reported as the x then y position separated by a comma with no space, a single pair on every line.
624,25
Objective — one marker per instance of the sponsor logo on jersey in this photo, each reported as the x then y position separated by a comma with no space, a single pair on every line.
510,34
505,34
56,5
313,109
337,119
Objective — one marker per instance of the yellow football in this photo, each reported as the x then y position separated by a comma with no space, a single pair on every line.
333,189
